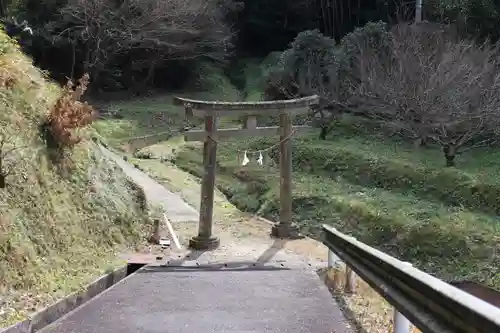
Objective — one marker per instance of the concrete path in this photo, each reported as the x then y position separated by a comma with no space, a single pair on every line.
174,207
249,298
251,283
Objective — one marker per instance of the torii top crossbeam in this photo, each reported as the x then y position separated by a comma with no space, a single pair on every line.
200,109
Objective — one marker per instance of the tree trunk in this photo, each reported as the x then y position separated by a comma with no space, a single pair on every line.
323,133
423,141
150,78
2,8
73,62
449,155
325,130
420,142
2,181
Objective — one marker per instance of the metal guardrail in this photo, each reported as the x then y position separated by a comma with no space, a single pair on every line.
430,304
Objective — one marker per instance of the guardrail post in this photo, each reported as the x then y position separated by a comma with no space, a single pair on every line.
350,280
350,277
334,265
401,324
333,260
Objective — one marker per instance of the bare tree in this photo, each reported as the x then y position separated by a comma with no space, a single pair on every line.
161,29
441,90
469,112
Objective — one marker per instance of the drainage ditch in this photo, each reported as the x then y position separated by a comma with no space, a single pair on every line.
133,267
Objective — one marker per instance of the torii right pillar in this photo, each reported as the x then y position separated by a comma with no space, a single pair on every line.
286,228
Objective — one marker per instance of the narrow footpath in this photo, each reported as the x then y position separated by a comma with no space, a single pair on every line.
251,283
174,207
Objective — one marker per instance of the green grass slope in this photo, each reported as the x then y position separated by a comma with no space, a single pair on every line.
382,191
145,117
450,241
57,231
368,159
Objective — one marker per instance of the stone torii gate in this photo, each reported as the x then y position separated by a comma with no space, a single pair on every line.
211,135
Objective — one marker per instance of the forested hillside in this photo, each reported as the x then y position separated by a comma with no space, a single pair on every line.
135,44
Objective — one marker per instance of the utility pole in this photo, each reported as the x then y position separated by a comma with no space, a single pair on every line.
418,11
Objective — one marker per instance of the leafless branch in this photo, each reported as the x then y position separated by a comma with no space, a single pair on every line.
161,29
437,88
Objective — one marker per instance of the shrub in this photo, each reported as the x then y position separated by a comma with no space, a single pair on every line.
308,67
375,38
67,116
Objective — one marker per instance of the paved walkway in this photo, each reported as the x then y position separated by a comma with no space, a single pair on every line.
250,284
210,298
175,208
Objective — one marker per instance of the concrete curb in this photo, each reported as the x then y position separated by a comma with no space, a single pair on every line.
48,315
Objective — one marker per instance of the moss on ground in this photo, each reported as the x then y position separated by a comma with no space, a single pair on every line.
58,230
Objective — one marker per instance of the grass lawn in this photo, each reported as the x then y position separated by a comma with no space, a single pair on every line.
140,117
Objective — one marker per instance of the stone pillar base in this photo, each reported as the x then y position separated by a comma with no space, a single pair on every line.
203,243
286,230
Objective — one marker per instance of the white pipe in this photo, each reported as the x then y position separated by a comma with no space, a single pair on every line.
333,260
172,233
401,324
